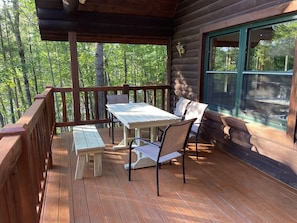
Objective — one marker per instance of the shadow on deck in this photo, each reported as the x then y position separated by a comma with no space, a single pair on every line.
219,188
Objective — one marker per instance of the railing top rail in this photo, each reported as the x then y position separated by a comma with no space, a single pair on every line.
111,88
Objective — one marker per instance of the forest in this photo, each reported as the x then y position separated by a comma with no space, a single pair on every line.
29,64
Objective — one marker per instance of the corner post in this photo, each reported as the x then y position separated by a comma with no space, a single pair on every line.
72,38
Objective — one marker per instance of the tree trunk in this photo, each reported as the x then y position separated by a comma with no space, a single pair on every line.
19,93
17,85
17,33
106,64
59,64
1,120
53,78
4,117
33,66
100,78
5,63
50,64
11,104
125,68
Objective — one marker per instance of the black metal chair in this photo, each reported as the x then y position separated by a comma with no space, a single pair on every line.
171,146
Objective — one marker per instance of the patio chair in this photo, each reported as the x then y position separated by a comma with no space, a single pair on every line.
181,107
115,99
195,110
180,111
171,146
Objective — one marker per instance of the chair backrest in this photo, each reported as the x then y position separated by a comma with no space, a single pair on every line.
195,110
181,106
175,137
117,98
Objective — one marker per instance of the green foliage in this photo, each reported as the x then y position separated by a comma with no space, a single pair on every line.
275,53
135,64
225,59
124,63
48,63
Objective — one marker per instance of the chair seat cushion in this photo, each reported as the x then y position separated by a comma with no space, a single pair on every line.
152,151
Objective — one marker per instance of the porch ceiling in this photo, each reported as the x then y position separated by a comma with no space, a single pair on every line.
129,21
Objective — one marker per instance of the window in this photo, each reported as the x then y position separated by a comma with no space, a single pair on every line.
222,72
249,71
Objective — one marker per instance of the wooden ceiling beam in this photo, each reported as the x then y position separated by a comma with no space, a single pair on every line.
87,17
112,20
157,8
107,29
55,24
82,37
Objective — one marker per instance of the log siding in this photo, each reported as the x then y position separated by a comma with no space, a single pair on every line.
270,150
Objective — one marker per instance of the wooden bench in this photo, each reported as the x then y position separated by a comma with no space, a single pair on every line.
86,141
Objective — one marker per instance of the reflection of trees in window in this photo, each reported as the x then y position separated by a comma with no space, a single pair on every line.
224,52
272,48
226,59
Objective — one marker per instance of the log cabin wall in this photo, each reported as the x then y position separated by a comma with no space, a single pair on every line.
266,148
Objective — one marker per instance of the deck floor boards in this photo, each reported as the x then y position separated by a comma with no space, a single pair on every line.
219,188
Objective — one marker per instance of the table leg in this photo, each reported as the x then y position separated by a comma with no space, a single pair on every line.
124,144
154,134
142,160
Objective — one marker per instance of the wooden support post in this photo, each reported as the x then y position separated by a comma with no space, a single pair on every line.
72,38
168,74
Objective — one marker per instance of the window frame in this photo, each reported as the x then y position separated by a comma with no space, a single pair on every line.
242,70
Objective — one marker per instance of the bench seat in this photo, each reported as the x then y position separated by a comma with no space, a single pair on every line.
87,141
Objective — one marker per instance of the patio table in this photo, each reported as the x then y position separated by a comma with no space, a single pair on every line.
138,116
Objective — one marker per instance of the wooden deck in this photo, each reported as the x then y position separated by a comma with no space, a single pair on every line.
219,188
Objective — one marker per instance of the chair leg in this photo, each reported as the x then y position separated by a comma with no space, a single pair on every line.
109,129
109,123
112,130
183,164
130,157
157,178
196,148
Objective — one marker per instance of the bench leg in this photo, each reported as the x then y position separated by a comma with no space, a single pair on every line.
73,146
80,164
97,164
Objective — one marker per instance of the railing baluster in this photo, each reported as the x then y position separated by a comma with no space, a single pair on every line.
154,97
64,108
87,105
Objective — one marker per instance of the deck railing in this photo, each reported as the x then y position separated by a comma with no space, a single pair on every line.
25,147
89,103
25,156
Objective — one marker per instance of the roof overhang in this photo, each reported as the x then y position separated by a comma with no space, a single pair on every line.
130,21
